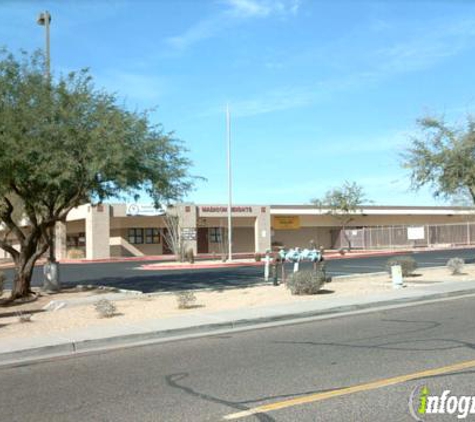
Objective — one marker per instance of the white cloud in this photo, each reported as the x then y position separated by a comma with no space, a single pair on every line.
262,8
418,52
234,13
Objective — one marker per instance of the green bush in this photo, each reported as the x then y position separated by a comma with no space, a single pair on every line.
258,257
456,265
306,282
408,264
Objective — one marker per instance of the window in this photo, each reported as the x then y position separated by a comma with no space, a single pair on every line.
135,236
152,235
215,234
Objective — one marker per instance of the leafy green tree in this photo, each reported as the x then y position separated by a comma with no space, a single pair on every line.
64,143
342,203
443,157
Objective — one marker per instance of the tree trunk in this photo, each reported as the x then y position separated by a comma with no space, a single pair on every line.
22,281
347,238
30,251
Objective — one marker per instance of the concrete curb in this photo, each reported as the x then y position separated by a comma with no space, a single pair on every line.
158,267
83,347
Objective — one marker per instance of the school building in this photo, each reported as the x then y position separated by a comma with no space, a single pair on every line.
125,230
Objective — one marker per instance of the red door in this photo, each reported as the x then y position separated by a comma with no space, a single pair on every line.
203,240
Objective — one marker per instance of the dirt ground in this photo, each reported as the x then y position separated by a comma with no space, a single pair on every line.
139,308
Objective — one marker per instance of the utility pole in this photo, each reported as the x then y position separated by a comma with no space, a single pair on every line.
51,268
44,19
230,227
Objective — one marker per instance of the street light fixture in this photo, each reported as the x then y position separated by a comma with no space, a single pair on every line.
44,19
51,268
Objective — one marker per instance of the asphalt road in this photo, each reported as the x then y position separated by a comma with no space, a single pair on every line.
209,378
128,275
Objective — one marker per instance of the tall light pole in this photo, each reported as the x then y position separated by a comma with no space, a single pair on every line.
44,19
51,268
230,227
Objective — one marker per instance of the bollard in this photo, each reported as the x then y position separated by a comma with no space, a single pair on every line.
275,281
296,267
396,276
266,267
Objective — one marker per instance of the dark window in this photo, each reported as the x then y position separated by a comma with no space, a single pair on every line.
135,236
215,234
152,236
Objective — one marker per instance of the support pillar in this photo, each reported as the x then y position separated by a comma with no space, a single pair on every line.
98,232
262,230
60,247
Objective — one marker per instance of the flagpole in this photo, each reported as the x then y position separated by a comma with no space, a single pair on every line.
228,136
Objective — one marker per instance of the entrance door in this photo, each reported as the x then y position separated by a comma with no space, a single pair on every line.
203,240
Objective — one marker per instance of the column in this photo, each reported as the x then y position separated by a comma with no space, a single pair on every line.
262,230
188,222
60,249
98,232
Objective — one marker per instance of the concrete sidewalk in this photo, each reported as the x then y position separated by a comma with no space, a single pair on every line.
93,339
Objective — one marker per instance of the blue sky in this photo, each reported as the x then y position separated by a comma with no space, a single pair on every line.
320,91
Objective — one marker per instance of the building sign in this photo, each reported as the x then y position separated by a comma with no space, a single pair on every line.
218,209
147,210
188,233
415,233
286,223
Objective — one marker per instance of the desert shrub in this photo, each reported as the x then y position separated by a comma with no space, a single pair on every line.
190,256
408,264
305,282
105,308
455,265
2,282
23,317
75,254
185,300
258,257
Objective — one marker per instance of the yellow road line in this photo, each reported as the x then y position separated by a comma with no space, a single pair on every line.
350,390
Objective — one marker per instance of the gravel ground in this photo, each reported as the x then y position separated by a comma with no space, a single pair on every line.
154,306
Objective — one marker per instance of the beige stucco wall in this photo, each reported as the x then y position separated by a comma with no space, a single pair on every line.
301,237
384,220
251,223
243,241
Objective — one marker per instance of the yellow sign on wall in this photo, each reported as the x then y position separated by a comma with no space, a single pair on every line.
286,223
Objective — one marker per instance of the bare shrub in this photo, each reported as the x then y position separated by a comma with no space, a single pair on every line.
408,264
305,282
186,300
76,254
172,234
105,308
23,317
455,265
